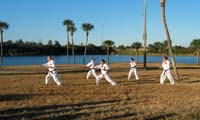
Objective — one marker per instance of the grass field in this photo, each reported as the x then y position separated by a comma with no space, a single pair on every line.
24,96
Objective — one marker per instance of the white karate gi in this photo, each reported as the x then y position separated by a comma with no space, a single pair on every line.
92,70
52,72
133,69
104,74
166,73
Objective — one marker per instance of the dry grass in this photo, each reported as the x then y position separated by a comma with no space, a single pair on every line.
24,96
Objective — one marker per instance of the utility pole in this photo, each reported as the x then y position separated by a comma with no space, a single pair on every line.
145,35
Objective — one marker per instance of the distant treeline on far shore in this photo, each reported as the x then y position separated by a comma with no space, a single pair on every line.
19,47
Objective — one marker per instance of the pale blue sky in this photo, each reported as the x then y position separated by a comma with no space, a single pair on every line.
35,20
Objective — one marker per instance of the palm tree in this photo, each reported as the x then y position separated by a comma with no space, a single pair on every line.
86,27
195,44
108,44
67,23
72,29
136,46
3,26
162,2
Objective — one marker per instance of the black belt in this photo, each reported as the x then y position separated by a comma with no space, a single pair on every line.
52,70
166,70
133,67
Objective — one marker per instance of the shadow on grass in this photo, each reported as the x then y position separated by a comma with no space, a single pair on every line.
122,77
156,68
147,81
16,97
138,82
85,84
40,72
192,81
120,116
102,82
77,115
161,117
53,112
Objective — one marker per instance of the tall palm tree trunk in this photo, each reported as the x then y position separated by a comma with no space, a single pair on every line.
74,59
168,39
67,47
136,55
1,59
108,50
86,42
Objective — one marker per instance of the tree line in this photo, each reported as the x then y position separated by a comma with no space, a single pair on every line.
20,48
53,47
160,48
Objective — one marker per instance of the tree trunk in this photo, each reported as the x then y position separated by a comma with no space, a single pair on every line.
198,55
86,42
1,59
168,39
74,59
67,47
108,50
136,55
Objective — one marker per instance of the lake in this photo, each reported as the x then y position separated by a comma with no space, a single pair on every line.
36,60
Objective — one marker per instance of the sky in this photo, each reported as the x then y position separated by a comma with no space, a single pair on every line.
122,20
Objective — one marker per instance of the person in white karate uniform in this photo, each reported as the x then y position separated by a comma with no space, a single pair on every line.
52,73
104,73
133,69
166,71
92,70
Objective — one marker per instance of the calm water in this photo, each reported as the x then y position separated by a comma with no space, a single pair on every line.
35,60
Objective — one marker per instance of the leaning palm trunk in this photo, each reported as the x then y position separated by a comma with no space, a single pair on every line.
168,39
74,59
84,57
1,35
67,47
198,55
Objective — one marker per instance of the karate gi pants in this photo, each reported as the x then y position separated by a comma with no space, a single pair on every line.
133,70
167,74
91,72
53,75
107,77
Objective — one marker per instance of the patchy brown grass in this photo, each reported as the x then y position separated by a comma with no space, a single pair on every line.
23,94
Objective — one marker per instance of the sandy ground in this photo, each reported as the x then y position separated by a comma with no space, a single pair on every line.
24,95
